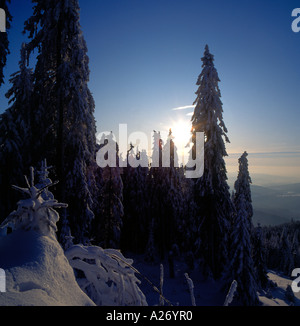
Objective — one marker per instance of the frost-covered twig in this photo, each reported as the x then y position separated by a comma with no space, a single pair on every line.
231,294
161,300
191,289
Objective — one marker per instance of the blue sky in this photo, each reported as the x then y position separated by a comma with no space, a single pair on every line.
145,57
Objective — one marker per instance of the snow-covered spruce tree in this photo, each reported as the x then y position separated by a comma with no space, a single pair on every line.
15,134
296,248
157,202
187,228
10,161
109,220
211,190
272,250
34,213
259,258
64,124
282,246
155,190
169,151
286,262
4,42
242,186
184,203
166,195
43,182
240,267
135,202
173,200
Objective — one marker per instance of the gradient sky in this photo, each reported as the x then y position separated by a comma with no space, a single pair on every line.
145,57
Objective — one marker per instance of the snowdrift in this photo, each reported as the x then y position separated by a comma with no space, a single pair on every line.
37,272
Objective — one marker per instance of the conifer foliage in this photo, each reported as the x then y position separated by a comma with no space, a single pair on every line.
241,266
211,191
15,134
64,106
135,201
242,187
110,210
259,258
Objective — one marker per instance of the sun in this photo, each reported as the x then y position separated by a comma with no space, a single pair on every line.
181,131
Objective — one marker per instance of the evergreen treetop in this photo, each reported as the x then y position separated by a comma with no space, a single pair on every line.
243,185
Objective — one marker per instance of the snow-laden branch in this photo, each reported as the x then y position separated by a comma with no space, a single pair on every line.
108,281
231,293
191,288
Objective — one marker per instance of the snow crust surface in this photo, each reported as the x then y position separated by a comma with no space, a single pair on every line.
37,272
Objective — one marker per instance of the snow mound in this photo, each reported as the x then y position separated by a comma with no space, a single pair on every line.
37,272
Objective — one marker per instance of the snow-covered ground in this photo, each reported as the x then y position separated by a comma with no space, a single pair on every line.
277,295
37,272
207,293
176,290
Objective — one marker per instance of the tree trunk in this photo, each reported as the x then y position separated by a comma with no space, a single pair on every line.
60,154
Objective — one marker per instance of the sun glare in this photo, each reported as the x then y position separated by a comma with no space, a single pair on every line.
181,131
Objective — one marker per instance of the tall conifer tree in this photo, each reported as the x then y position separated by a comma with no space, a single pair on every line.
243,186
64,123
241,266
135,201
211,190
109,221
259,258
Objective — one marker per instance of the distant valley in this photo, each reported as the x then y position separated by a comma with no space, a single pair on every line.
273,203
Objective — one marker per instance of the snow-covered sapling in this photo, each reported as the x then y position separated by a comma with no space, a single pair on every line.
161,300
191,288
231,294
34,213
